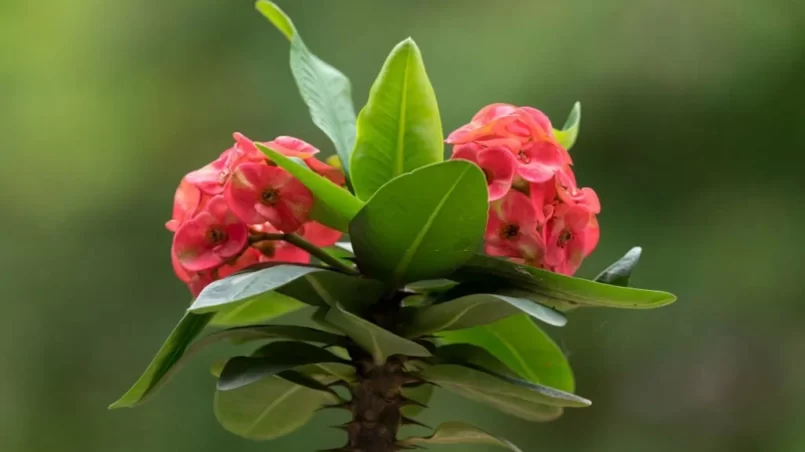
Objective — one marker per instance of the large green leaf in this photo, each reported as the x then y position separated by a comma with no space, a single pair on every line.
272,359
517,397
261,309
399,129
570,131
472,310
552,289
422,225
166,358
520,344
379,342
311,285
269,408
177,350
333,206
460,433
418,398
618,274
325,90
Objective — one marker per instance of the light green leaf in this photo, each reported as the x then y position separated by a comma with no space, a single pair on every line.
552,289
422,225
269,408
523,347
567,136
325,90
333,206
472,310
261,309
174,354
166,358
399,129
430,285
519,398
312,285
271,359
618,274
379,342
461,433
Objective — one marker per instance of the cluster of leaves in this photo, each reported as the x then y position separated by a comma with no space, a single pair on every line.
412,286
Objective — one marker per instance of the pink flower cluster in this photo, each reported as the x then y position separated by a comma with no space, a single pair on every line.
537,212
221,211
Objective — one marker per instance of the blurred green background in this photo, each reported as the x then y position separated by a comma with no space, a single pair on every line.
692,135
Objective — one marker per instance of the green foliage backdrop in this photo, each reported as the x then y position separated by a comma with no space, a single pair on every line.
692,136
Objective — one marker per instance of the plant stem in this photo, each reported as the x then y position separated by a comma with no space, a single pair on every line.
299,242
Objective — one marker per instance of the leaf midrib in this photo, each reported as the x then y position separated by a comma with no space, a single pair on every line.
412,250
399,156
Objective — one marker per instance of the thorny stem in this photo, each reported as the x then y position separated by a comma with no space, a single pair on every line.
298,241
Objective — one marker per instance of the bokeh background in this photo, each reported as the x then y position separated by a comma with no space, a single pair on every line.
692,134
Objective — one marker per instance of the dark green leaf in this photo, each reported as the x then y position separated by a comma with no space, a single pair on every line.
419,395
520,398
333,206
567,136
523,347
311,285
261,309
379,342
168,355
423,224
269,408
272,359
325,90
474,356
618,274
552,289
430,285
472,310
399,129
460,433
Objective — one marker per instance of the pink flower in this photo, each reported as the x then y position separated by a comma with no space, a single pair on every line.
278,250
258,193
289,147
249,257
186,202
497,163
527,134
213,177
210,238
571,235
512,228
319,234
330,172
569,192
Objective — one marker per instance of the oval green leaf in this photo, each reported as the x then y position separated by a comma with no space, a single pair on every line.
269,408
325,90
272,359
618,274
333,206
261,309
519,398
552,289
523,347
460,433
399,129
311,285
570,131
422,225
379,342
472,310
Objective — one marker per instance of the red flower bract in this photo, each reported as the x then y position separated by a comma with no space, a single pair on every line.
258,193
512,228
210,238
497,163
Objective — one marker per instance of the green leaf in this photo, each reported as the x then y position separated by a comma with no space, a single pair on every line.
552,289
419,397
460,433
520,398
379,342
166,358
520,344
261,309
311,285
272,359
472,310
422,225
567,136
618,274
152,380
269,408
333,206
325,90
430,285
473,356
399,129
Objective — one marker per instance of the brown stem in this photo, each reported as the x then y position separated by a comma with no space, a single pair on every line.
299,242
